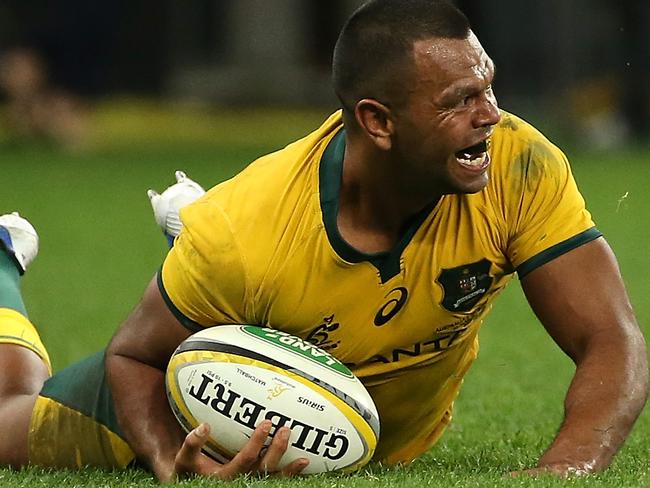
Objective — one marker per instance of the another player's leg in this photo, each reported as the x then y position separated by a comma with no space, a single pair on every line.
24,362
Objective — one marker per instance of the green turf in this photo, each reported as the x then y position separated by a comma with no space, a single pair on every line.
100,246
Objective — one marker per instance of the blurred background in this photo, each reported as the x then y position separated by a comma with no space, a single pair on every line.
582,67
101,100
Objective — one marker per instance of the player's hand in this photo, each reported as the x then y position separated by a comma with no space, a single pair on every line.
561,470
254,457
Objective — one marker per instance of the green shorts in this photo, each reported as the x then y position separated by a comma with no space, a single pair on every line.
73,423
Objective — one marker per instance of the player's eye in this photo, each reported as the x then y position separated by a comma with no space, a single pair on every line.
462,100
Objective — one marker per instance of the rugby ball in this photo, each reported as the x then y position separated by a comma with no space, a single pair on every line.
235,376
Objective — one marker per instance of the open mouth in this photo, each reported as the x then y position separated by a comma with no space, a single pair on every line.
474,157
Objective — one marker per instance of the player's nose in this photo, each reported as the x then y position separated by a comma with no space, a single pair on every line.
487,113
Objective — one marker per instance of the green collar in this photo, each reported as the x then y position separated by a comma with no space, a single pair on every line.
331,171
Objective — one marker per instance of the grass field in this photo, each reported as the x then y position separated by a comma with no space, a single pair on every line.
100,246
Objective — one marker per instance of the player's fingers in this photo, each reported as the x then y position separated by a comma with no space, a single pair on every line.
562,470
271,459
246,459
180,176
295,467
187,458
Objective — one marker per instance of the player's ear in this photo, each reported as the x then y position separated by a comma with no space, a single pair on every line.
375,119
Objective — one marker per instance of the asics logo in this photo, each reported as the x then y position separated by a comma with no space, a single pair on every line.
388,310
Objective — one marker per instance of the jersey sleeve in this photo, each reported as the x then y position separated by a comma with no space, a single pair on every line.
203,279
548,214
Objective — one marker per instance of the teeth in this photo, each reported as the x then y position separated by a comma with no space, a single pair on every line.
477,160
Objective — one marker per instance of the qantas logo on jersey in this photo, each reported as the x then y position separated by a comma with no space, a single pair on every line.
444,338
465,285
438,344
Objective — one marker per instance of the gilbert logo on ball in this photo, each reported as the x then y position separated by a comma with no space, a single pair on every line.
235,376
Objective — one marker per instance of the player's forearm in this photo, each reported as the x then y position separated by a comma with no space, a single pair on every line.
143,413
607,393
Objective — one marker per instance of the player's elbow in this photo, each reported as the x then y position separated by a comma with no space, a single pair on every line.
631,347
122,341
118,352
638,360
621,349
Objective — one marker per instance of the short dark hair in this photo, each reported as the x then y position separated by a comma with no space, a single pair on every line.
376,44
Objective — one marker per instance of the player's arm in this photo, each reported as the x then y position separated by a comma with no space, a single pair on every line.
581,301
135,363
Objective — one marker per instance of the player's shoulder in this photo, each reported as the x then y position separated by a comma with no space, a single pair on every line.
279,174
268,190
517,148
519,134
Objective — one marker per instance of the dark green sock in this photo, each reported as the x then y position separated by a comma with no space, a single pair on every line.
10,296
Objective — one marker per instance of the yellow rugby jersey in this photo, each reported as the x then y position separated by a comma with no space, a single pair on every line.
263,248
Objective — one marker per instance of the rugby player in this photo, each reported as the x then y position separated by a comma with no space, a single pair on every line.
384,236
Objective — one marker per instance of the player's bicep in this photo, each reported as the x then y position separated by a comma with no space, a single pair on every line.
150,333
579,296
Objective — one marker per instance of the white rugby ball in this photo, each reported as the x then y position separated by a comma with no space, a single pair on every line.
235,376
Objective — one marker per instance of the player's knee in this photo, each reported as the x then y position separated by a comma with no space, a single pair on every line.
22,372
